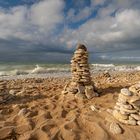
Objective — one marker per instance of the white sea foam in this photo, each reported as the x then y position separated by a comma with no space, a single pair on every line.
38,69
3,73
137,68
103,65
42,70
112,67
18,72
56,69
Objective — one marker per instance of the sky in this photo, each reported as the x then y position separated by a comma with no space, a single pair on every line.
48,30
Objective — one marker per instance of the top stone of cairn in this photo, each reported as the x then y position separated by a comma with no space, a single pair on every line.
81,46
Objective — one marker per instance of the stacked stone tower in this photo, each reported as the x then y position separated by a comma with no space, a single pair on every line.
127,108
81,84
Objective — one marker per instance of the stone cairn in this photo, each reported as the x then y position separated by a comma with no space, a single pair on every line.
81,84
127,108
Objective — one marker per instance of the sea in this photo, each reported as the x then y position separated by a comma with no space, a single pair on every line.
13,69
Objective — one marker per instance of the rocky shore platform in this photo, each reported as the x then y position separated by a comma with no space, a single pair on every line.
34,108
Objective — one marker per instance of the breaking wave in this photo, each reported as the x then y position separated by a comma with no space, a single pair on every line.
112,67
65,69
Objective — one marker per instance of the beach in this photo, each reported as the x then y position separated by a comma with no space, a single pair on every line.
32,107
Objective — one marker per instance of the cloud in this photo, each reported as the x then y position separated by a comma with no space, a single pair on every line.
39,27
97,2
82,15
35,23
111,7
109,33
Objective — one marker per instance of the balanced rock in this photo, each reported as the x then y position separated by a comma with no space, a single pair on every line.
118,115
127,108
136,116
81,82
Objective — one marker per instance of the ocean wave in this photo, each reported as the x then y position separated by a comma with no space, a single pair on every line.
66,69
3,73
137,68
103,65
18,72
38,70
112,67
42,70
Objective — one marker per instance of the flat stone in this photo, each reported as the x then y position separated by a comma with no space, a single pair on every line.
21,93
94,108
136,104
138,122
118,115
135,116
115,128
130,122
79,95
117,107
89,92
128,110
79,51
73,84
134,99
121,100
138,85
127,106
124,113
126,92
81,89
133,89
64,92
84,65
131,118
123,97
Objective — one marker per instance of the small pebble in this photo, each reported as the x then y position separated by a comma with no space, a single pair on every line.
126,92
22,112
